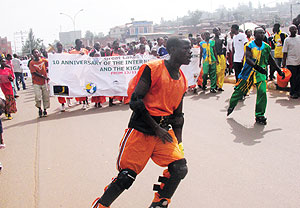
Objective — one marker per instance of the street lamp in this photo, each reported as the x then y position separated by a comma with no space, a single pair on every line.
291,7
72,18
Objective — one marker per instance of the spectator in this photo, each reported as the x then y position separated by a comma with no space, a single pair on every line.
143,40
40,80
2,107
278,39
239,40
160,48
296,22
6,77
229,52
248,33
291,59
18,70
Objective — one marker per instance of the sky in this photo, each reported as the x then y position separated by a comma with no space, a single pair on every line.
97,16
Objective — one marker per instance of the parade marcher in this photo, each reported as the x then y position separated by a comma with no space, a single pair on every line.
62,100
18,70
254,72
6,77
40,80
208,53
220,45
10,65
95,52
79,49
278,39
155,127
239,41
291,59
117,51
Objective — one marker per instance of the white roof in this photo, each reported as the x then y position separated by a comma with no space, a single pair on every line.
248,25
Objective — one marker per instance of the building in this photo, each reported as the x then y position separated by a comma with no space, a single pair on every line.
5,46
19,41
136,28
117,32
68,38
131,30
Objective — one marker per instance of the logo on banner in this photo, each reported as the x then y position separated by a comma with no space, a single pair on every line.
91,88
60,90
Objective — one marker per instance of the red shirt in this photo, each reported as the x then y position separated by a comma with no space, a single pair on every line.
39,67
5,84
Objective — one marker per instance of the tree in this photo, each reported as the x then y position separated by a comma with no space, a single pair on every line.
193,18
32,43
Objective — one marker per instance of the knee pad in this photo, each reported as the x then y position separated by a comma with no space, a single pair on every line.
125,178
178,171
123,181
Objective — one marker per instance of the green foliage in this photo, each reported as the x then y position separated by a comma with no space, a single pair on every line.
32,43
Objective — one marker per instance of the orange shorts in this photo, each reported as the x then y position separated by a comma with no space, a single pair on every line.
136,148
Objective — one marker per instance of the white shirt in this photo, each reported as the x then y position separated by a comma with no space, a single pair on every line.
291,46
239,41
17,65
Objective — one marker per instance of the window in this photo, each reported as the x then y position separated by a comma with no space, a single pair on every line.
145,30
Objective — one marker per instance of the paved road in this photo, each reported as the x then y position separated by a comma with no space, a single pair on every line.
66,159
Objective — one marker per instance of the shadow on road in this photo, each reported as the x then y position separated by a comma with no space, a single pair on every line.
289,103
205,95
248,136
78,112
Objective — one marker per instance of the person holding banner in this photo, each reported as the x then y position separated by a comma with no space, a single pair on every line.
40,80
62,100
79,49
98,100
155,127
117,51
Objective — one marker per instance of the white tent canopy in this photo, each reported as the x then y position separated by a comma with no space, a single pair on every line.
248,25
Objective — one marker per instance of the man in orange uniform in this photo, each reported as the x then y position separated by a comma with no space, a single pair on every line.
79,49
40,80
155,127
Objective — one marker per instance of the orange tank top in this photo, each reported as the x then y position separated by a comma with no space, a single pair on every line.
165,93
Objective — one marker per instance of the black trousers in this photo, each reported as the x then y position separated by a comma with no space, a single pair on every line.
237,66
295,79
273,69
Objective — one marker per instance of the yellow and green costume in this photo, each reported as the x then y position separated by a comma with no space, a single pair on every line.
250,76
209,63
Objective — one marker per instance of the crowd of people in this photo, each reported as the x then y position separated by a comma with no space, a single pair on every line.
155,127
221,54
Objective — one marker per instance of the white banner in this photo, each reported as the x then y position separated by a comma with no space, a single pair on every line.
192,70
80,75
